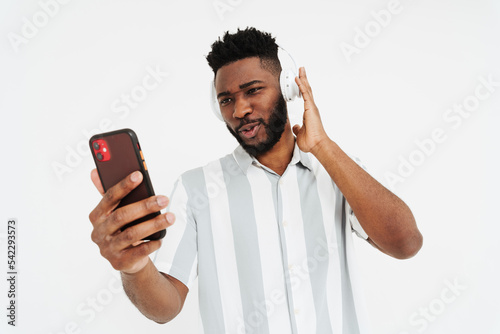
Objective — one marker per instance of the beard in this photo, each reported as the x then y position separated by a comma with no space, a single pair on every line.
274,128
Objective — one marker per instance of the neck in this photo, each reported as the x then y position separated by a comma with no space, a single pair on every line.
278,158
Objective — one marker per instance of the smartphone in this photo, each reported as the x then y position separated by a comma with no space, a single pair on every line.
117,154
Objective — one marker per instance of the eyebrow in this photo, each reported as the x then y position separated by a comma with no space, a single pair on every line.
242,86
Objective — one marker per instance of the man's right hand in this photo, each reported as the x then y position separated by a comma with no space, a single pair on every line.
125,249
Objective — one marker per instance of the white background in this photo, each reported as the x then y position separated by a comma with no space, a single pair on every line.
59,84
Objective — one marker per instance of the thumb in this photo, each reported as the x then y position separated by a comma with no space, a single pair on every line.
296,129
94,176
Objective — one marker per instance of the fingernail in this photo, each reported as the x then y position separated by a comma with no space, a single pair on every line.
170,217
161,200
136,176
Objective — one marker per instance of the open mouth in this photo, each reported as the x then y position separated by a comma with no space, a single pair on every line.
250,130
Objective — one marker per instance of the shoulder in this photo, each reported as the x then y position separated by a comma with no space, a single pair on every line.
195,187
199,176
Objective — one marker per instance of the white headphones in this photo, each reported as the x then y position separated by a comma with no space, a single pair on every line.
289,87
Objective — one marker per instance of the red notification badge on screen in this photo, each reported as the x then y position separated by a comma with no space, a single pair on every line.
101,150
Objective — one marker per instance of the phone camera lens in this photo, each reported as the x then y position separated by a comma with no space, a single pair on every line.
99,156
96,145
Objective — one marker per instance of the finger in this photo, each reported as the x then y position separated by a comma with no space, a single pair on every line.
303,83
112,197
305,80
132,235
94,176
131,212
302,73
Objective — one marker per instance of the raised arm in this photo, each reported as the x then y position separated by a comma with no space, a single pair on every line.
386,219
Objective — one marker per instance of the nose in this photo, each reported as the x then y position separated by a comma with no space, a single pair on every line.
242,107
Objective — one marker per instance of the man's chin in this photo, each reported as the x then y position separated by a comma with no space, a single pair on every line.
256,148
252,146
253,150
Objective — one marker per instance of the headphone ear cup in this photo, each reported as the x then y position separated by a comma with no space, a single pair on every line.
214,103
289,87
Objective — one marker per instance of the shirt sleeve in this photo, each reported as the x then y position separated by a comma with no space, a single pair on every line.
355,225
178,254
351,217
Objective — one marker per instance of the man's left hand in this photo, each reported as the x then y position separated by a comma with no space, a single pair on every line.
311,133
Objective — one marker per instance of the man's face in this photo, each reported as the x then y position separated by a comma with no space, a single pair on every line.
251,104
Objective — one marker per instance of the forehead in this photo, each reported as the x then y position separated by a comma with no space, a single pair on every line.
231,76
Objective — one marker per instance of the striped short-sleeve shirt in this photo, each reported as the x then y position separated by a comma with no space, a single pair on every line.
272,254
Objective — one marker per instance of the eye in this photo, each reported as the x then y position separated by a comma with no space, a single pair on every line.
225,101
253,90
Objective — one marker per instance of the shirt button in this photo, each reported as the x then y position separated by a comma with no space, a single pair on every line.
285,223
281,182
296,311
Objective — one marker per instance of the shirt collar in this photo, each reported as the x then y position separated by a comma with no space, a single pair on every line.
244,159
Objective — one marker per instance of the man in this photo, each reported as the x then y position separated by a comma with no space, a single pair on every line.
266,229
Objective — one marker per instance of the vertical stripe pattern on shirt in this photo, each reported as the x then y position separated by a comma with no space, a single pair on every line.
225,255
273,254
169,261
187,249
349,319
317,255
208,280
278,204
293,226
328,201
265,206
246,248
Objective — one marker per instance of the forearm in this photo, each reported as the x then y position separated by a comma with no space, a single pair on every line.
153,293
386,219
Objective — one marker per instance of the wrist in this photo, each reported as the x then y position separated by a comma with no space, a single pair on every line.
323,146
131,274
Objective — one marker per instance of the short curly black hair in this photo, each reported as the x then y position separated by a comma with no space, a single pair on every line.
244,44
